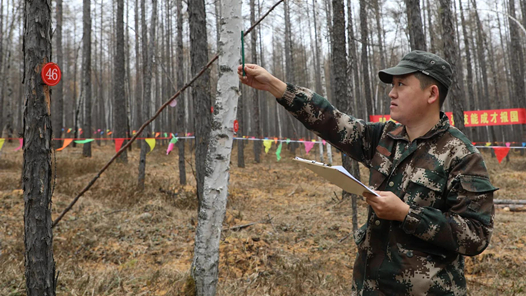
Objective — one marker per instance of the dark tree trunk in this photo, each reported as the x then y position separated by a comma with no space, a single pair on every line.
430,26
86,74
255,93
58,98
38,236
456,91
469,62
180,104
417,38
517,67
339,59
119,105
201,88
1,64
365,59
138,84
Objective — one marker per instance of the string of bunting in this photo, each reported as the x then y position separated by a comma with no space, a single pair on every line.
500,151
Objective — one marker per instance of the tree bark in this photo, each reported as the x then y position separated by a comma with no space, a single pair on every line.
255,92
58,100
456,91
213,204
86,74
201,90
181,100
365,59
119,106
38,236
417,38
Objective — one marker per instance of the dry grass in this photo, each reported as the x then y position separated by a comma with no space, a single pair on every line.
120,241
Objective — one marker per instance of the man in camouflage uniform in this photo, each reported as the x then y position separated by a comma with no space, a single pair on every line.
435,199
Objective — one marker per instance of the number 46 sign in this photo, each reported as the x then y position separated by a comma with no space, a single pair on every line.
51,74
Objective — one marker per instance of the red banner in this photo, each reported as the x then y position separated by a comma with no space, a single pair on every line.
478,118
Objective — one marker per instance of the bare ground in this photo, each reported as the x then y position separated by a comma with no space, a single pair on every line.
120,241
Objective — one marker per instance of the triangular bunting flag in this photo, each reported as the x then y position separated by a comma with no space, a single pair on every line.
170,148
66,143
275,140
157,134
267,143
278,152
523,144
308,146
69,130
508,144
288,140
118,144
323,141
501,152
21,144
166,135
487,144
84,141
150,142
174,140
1,143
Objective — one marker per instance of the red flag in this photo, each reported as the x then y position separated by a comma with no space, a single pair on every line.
118,144
501,152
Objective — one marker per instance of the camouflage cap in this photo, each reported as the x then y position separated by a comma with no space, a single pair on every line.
420,61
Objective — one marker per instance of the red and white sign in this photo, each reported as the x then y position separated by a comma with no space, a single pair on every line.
478,118
236,126
51,74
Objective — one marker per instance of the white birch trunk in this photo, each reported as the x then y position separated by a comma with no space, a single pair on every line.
212,211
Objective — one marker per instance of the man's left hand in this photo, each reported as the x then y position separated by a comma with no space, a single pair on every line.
387,206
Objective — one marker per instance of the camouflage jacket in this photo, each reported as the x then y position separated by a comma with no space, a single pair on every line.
440,175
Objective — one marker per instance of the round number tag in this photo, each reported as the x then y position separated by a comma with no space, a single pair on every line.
51,74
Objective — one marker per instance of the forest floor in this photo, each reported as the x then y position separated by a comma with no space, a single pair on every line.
118,240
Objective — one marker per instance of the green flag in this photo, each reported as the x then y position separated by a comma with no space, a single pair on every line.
84,141
288,140
174,140
278,152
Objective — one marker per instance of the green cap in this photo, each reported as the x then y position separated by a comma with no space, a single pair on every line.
420,61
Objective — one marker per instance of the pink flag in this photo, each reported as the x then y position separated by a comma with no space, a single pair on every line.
21,144
118,144
308,146
323,141
501,152
170,148
508,144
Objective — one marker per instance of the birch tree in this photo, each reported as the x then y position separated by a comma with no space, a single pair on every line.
213,204
38,236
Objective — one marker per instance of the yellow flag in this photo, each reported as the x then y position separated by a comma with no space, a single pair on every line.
487,144
267,143
1,143
151,142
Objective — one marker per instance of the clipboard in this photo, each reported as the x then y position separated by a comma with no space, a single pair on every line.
337,175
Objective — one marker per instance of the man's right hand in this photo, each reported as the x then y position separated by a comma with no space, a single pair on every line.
259,78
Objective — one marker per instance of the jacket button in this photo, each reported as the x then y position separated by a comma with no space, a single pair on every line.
391,184
377,222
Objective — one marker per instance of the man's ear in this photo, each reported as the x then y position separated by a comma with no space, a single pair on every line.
433,94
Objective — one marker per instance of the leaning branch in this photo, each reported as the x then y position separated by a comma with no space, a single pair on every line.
70,206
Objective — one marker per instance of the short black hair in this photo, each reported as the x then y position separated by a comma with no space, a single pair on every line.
426,81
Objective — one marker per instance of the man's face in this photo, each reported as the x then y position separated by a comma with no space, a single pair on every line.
408,100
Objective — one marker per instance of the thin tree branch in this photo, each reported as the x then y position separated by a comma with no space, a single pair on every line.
70,206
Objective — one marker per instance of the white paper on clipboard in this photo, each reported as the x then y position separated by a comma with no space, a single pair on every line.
337,175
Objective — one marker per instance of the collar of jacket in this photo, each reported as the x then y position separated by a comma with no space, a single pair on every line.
399,133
